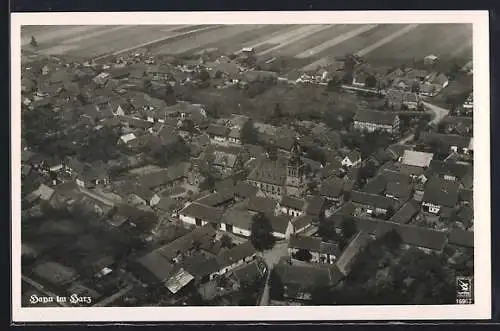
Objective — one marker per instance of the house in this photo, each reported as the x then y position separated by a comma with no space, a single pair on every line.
449,170
400,191
371,120
43,192
281,225
422,238
402,100
373,204
440,193
221,198
352,159
226,163
55,273
449,142
258,204
315,207
302,223
237,221
291,206
406,213
200,215
417,159
235,257
430,59
440,80
321,252
359,78
92,175
218,133
244,190
461,238
251,272
333,189
146,197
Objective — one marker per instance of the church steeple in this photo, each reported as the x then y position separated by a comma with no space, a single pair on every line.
295,170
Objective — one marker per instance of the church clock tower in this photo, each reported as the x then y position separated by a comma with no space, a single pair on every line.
295,171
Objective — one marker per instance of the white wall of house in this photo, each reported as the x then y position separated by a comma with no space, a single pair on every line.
432,208
56,167
241,232
218,140
80,182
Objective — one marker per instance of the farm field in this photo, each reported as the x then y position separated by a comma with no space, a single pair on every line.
311,46
443,41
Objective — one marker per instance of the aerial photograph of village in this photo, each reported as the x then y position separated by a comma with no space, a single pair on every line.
246,165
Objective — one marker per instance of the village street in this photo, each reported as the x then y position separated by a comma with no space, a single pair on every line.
272,257
439,114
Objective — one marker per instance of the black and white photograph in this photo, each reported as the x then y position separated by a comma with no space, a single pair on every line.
299,166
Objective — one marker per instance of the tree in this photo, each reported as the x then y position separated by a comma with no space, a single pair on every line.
334,84
316,154
276,287
262,233
371,81
348,228
249,133
33,42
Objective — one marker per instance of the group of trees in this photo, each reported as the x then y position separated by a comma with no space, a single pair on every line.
249,134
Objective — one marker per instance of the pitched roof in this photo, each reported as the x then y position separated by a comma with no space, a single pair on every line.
224,159
315,205
304,276
250,272
292,202
312,244
448,140
269,172
216,199
418,159
239,218
203,212
332,188
279,223
422,237
375,186
398,189
236,254
376,117
217,130
405,213
245,190
261,204
374,200
302,222
441,192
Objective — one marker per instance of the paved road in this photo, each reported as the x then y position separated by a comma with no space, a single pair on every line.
271,258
